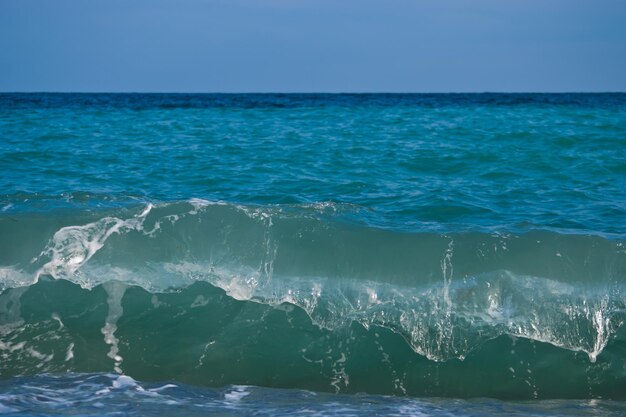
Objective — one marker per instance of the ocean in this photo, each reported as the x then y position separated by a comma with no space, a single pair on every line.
313,254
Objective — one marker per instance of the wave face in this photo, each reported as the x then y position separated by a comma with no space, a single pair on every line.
424,245
293,296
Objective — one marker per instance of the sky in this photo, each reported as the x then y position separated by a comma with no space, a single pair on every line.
312,45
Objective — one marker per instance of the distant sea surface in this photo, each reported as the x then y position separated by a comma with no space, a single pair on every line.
281,254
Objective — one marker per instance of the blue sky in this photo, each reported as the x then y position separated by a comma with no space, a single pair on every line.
312,46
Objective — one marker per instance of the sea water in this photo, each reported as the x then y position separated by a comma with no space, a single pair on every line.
455,254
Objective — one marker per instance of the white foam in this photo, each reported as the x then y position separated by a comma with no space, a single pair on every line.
164,387
69,354
124,382
115,291
200,301
13,277
56,317
237,394
38,355
602,325
71,247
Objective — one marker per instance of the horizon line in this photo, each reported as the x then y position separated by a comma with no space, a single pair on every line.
315,92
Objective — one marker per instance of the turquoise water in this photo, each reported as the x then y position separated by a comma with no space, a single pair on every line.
407,252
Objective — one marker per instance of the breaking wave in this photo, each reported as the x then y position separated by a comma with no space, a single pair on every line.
301,296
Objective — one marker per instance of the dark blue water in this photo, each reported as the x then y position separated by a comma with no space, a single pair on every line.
456,246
